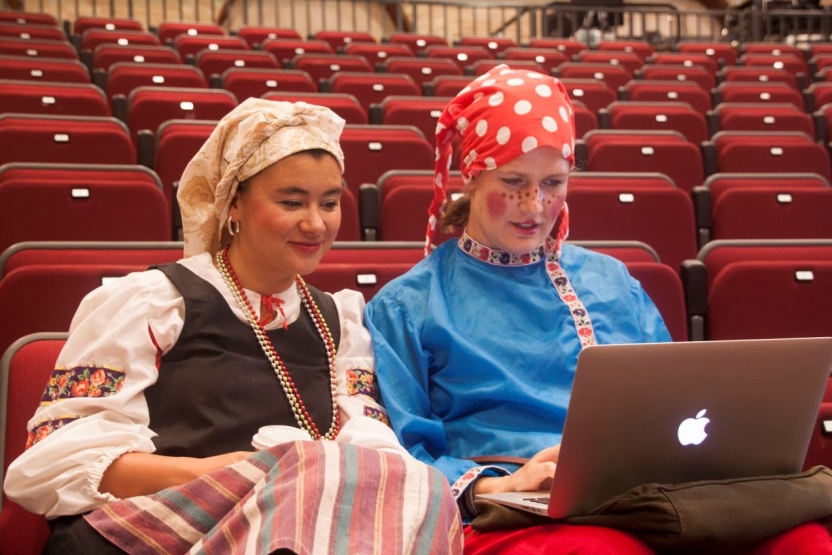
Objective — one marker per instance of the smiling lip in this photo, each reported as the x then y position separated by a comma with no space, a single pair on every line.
307,247
526,228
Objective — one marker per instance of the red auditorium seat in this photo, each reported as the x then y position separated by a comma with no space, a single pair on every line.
819,63
404,199
364,266
631,62
771,48
817,95
770,299
461,55
547,58
24,369
188,45
625,251
613,75
31,32
59,70
757,74
685,59
76,202
420,112
169,31
664,287
719,183
258,35
484,66
372,150
778,152
415,41
350,229
215,62
421,69
794,64
94,37
666,152
763,213
641,48
65,139
286,49
667,91
371,88
345,105
338,39
323,66
377,53
585,119
177,141
619,181
662,218
496,45
446,85
57,99
106,55
747,289
749,91
668,72
30,18
567,47
656,116
122,77
594,94
148,107
39,48
84,253
245,83
731,116
83,23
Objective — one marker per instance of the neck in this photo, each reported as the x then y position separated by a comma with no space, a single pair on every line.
256,276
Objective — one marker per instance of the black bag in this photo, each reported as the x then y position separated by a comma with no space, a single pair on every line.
696,516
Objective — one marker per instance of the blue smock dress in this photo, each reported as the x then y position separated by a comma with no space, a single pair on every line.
475,351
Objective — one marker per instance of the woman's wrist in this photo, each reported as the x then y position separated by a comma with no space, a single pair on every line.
490,484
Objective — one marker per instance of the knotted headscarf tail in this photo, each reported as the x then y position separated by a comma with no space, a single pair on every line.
501,115
250,138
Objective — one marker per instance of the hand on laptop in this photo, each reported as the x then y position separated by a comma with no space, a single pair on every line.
535,475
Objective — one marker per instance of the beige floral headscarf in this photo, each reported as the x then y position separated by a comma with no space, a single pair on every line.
250,138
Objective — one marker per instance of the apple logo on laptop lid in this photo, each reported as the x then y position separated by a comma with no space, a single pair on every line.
692,430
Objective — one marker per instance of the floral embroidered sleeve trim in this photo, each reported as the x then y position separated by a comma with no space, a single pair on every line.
47,427
82,381
377,414
361,381
466,479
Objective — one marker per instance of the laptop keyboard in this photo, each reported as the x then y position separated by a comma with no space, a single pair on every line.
541,500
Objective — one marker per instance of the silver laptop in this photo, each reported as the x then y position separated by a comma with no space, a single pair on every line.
679,412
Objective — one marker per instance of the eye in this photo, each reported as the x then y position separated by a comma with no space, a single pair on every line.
331,204
291,203
553,183
512,181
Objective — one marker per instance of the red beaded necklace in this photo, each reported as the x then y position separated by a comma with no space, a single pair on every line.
292,394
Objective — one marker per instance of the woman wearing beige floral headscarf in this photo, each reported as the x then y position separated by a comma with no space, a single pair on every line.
170,376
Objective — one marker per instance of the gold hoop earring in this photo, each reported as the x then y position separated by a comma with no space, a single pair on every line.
233,227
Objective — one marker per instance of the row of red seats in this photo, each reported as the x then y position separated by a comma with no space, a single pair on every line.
75,201
61,273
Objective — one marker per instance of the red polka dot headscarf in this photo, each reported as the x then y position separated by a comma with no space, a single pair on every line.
501,115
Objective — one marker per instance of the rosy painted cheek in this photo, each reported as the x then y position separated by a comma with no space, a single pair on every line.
496,204
555,202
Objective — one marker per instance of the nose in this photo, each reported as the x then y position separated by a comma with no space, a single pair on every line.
313,222
531,201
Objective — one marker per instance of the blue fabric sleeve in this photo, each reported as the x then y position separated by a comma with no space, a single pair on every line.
402,372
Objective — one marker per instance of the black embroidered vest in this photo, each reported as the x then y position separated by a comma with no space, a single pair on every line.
216,387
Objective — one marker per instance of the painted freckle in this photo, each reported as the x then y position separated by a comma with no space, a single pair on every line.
503,195
511,197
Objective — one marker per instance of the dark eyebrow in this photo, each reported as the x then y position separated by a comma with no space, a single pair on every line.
511,173
301,191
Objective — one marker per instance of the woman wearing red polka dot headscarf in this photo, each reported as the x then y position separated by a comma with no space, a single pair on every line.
476,346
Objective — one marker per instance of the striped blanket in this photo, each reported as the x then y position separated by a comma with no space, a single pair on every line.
308,497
